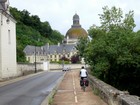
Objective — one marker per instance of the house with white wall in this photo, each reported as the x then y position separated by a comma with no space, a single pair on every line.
49,52
8,64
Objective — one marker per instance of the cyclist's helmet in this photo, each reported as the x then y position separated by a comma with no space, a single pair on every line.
82,67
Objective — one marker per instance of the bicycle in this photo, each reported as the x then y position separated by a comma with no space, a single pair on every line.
84,83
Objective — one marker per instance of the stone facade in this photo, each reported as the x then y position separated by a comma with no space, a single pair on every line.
49,52
7,43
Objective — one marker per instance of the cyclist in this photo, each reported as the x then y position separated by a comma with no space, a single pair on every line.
83,73
84,81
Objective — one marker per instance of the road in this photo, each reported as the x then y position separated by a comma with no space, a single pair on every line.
30,91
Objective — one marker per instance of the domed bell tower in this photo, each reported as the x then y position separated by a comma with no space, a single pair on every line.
75,31
76,22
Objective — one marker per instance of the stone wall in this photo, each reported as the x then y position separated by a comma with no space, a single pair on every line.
111,95
54,66
26,68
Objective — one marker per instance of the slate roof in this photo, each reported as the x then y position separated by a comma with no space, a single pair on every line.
49,49
2,5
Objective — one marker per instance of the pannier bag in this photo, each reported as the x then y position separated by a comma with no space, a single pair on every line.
81,83
87,83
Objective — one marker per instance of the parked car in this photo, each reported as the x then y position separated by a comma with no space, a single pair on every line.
66,68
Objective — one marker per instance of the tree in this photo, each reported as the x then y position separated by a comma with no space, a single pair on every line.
25,17
45,29
81,46
113,52
113,18
35,22
29,29
56,36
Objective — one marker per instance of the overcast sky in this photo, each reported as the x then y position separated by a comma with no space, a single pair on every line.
59,13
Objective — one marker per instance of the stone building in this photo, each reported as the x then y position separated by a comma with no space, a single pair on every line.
49,52
76,31
8,62
56,52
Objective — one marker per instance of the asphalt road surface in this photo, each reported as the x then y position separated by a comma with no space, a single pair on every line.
30,91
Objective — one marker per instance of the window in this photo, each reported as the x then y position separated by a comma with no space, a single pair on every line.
28,59
9,37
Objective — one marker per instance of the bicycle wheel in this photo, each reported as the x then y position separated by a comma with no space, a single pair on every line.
84,88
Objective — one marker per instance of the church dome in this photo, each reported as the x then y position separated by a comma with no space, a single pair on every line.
75,33
76,30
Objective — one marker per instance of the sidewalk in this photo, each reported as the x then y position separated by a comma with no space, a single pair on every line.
70,93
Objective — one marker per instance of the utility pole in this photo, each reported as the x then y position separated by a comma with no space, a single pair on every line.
63,52
35,60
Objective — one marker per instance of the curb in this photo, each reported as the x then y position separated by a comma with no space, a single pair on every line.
51,94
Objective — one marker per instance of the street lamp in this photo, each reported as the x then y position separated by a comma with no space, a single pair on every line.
35,56
35,60
63,43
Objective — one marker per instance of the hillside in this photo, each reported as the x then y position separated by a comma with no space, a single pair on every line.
31,31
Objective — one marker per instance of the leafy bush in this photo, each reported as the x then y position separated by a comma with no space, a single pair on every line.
75,59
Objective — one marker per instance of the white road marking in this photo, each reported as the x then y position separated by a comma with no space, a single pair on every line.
74,89
74,92
76,99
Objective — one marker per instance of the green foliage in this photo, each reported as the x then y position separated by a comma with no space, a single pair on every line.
31,31
61,62
45,29
81,45
56,37
114,51
113,18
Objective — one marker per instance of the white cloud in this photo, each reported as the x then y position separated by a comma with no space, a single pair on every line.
59,13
